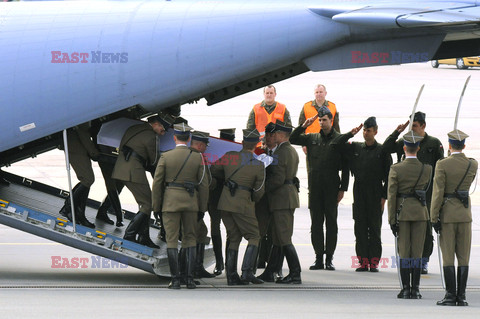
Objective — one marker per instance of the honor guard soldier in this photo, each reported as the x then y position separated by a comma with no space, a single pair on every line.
244,178
267,111
431,150
81,151
180,192
452,216
138,151
370,164
282,187
325,187
407,213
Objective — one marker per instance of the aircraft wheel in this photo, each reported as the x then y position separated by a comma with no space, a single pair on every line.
461,65
434,63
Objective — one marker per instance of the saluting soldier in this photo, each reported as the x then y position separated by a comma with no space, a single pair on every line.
282,188
244,178
407,213
369,164
325,187
138,150
180,192
431,150
452,216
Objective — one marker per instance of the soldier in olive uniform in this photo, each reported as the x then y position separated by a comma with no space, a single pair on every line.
81,151
325,187
282,194
408,214
370,165
138,150
244,178
180,192
431,150
451,216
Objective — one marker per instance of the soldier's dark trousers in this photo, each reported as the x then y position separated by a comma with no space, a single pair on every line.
324,208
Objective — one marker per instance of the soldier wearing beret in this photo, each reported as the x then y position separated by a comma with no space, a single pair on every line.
244,178
451,216
431,150
325,187
369,164
408,214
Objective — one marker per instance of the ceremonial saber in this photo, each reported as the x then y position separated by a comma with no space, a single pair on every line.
460,102
415,107
398,262
440,260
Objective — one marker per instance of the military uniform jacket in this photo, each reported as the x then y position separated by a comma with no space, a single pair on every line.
369,164
324,160
279,194
251,175
401,180
142,139
448,173
176,198
79,141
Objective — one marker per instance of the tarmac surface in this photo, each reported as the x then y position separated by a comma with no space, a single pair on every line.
32,284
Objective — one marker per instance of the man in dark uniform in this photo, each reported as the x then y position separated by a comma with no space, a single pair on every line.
370,165
138,150
325,187
431,150
244,178
282,194
81,151
408,214
451,216
180,192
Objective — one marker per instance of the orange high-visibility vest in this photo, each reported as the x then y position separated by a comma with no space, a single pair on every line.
262,118
310,111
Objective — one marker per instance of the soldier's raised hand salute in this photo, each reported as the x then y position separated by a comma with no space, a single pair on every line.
309,121
355,130
402,127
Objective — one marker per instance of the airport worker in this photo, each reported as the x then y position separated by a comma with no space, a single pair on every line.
408,214
370,165
431,150
269,110
81,152
180,193
244,178
451,216
326,188
310,109
282,187
138,151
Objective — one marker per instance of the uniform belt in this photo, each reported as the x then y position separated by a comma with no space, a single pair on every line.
289,181
140,158
399,195
173,184
244,188
449,195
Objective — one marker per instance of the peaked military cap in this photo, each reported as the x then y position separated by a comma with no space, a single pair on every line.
281,126
270,128
412,139
370,122
251,135
182,129
323,110
165,119
227,133
200,136
419,117
457,137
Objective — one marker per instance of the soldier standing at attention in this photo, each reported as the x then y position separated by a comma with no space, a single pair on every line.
244,178
370,165
180,192
452,216
408,214
325,187
431,150
138,150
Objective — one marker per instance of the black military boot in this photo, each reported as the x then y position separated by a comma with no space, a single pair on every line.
162,235
144,233
293,264
328,262
278,269
80,198
182,266
248,265
190,254
117,207
268,274
217,249
102,213
450,298
172,254
66,210
462,276
425,266
200,271
134,227
318,264
416,272
233,279
405,276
